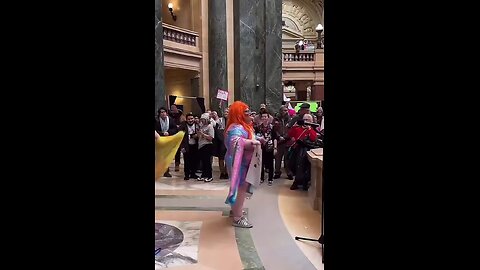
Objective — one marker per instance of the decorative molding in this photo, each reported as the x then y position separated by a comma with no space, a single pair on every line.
183,49
180,29
292,33
304,14
291,24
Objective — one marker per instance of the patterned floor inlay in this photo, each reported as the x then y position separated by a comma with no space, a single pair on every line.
176,243
220,226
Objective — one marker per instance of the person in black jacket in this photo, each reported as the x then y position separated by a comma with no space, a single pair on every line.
177,115
265,130
165,126
189,147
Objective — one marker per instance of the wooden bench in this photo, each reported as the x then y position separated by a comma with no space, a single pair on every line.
315,156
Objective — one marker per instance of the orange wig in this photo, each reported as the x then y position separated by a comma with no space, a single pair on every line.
236,115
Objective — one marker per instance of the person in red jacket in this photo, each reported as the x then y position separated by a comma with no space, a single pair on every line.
300,166
300,131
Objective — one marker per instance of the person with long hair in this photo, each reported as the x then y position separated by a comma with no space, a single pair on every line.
240,143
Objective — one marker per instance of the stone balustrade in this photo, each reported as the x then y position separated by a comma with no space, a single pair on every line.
180,35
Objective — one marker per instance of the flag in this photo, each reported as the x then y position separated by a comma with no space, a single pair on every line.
165,149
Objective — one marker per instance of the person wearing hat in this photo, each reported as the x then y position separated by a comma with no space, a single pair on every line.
304,109
257,119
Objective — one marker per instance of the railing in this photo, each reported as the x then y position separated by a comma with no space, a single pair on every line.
182,48
299,66
298,57
179,35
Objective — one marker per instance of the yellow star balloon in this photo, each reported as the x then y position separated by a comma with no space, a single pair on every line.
165,149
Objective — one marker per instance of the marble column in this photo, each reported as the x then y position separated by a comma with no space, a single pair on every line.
159,68
273,55
258,46
217,49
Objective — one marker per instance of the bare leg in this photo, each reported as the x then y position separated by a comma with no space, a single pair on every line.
238,206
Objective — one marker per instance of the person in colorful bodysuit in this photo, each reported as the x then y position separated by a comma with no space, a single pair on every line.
240,143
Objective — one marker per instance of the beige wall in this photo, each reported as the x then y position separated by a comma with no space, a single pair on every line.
178,83
204,78
183,10
196,16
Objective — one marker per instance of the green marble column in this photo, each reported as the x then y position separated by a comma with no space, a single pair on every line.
217,49
160,99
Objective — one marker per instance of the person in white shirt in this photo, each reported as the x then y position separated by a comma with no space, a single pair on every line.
205,147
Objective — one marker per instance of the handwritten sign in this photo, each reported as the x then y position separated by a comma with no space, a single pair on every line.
222,94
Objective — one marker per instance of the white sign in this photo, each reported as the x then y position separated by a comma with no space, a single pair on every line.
255,168
222,94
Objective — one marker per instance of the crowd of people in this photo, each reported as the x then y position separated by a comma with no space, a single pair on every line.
233,137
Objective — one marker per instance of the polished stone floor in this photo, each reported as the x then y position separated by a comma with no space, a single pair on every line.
196,232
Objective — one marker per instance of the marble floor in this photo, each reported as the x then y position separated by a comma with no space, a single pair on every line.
193,230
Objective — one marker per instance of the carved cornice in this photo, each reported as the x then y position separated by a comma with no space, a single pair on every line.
295,35
306,14
291,24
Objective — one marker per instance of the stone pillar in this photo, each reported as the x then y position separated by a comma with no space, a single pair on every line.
217,49
204,73
317,92
160,99
258,50
273,54
230,53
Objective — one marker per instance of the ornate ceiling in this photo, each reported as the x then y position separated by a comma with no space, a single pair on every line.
302,16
